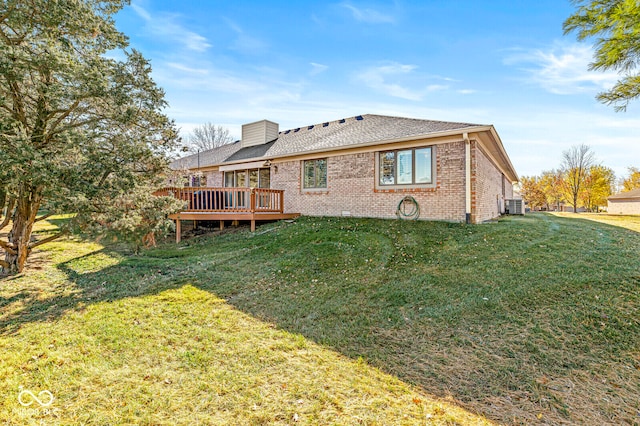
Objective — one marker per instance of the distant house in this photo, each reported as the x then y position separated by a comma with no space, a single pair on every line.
367,166
625,203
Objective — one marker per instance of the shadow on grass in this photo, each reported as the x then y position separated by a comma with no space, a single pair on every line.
500,317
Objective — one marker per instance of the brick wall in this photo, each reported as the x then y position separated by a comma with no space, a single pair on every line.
489,187
624,207
214,179
508,193
351,188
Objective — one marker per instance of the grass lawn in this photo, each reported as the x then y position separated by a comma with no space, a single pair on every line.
532,319
629,222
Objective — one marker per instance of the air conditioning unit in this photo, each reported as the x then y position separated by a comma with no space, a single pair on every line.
515,206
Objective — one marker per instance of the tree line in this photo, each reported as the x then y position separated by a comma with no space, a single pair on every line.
579,182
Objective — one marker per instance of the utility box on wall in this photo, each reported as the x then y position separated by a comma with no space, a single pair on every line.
515,206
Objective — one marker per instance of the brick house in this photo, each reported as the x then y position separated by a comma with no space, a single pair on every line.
365,166
624,203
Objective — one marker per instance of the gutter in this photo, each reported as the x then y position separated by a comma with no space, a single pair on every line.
467,177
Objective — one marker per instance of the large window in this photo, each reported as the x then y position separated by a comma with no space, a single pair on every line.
314,174
252,178
406,167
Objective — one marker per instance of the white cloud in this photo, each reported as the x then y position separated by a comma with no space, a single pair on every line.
165,26
317,68
435,87
562,69
535,138
244,42
203,80
181,67
141,12
368,15
403,77
467,91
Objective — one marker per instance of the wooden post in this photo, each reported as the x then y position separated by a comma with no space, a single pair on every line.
195,225
221,225
281,201
253,225
178,236
253,200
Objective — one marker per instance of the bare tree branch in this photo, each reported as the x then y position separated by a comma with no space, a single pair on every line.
18,106
208,136
46,216
63,114
7,247
47,240
11,204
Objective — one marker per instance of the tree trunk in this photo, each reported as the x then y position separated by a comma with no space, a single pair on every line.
575,204
28,203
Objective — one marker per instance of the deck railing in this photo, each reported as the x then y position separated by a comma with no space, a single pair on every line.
245,200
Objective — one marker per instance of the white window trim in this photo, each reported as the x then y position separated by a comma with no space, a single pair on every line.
434,171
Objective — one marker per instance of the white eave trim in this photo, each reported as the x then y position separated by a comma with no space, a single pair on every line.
242,166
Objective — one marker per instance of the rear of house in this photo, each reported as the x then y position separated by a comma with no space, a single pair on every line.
365,166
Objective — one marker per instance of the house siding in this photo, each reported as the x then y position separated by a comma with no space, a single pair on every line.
351,187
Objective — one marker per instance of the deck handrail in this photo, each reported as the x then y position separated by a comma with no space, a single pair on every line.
212,199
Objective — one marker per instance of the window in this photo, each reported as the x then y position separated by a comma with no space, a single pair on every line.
252,178
241,178
314,174
406,167
265,178
198,180
228,179
387,168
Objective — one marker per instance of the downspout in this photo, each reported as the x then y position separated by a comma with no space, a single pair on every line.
467,176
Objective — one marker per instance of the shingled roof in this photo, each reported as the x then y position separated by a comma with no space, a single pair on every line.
358,130
207,158
634,194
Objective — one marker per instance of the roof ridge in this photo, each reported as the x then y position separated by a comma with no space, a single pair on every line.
425,119
323,124
360,117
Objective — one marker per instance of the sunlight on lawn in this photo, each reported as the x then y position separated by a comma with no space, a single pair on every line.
331,321
116,344
629,222
185,356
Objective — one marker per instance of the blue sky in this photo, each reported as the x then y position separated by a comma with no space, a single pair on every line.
496,62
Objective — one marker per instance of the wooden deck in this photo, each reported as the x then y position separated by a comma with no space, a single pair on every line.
235,204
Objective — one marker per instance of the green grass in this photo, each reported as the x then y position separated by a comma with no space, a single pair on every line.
333,321
629,222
